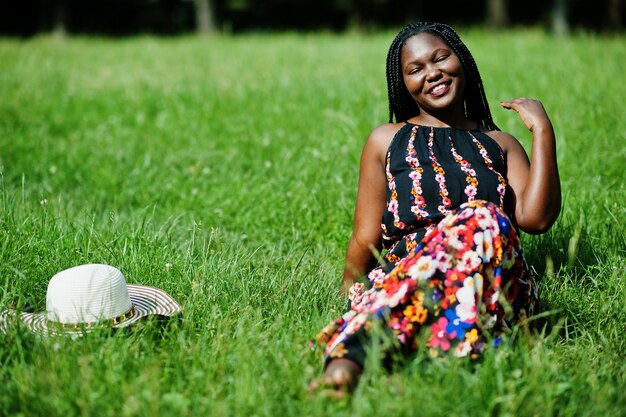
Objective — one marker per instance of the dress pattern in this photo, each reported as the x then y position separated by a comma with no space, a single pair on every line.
454,275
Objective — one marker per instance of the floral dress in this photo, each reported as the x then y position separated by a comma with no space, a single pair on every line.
454,278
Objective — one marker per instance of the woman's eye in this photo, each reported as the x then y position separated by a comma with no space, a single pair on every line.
441,58
415,70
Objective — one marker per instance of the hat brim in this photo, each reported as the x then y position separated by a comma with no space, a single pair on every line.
148,301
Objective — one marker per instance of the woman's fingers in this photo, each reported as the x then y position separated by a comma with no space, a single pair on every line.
516,103
531,111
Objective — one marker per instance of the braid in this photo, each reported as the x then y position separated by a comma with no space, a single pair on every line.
402,105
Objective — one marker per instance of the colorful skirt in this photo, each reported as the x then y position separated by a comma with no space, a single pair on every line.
456,292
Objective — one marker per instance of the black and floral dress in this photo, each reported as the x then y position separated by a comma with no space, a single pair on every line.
454,278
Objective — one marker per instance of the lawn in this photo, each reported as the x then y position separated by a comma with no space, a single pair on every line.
224,171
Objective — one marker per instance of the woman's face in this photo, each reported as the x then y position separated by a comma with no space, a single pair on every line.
432,74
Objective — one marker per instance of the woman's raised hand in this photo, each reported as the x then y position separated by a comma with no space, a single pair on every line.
531,111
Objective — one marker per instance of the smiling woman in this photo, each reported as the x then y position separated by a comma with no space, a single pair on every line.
442,193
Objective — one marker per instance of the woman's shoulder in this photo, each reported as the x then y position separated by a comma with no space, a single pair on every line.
505,140
382,136
379,140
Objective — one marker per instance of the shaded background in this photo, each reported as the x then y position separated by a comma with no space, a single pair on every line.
27,18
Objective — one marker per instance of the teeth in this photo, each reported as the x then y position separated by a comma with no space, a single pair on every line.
438,88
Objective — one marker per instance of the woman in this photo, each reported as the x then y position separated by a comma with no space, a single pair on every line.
451,190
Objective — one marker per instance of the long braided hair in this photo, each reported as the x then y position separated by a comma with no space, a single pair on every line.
403,106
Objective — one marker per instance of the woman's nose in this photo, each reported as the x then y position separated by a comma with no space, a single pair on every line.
433,72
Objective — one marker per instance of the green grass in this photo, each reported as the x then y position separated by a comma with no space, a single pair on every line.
224,171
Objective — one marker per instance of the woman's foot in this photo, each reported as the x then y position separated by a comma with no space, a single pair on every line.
340,378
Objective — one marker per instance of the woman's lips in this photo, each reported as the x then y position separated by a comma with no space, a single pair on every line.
439,89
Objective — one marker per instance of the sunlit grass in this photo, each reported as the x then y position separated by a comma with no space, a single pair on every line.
224,171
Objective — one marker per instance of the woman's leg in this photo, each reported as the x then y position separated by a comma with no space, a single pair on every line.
340,378
451,290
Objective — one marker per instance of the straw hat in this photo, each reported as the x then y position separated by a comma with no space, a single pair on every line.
93,295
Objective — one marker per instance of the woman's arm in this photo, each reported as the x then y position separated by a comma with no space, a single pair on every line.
370,204
535,183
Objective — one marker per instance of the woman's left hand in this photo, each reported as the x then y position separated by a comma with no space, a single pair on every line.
531,112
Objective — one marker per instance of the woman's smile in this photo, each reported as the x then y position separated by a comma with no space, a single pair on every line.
439,89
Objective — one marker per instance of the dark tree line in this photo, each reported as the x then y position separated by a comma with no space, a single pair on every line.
128,17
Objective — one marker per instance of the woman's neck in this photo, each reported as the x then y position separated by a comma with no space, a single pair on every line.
458,122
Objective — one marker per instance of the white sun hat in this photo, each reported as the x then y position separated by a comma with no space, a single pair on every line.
93,295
